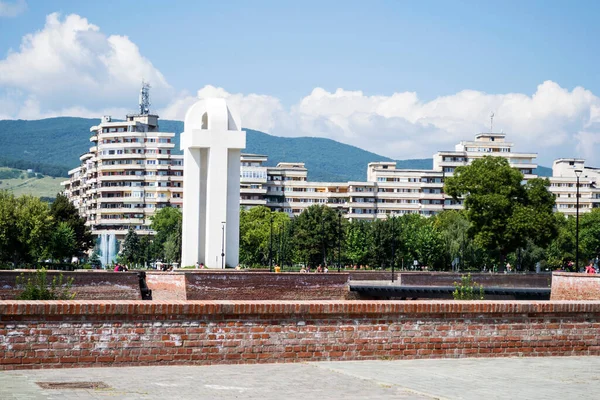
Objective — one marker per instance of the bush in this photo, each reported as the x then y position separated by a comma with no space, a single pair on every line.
467,289
36,287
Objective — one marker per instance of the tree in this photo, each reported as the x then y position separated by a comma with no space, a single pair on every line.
429,247
167,222
62,210
503,213
63,242
357,241
95,260
172,248
8,226
34,228
131,252
315,234
255,235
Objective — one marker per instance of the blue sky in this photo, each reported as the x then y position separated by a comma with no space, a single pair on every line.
287,48
284,51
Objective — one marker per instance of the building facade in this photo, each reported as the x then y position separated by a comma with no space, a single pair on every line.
129,173
563,184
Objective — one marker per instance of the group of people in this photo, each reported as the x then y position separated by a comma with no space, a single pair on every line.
120,268
319,270
591,268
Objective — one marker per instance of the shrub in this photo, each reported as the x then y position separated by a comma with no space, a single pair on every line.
467,289
35,286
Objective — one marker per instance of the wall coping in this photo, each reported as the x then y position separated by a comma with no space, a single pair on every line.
282,308
577,274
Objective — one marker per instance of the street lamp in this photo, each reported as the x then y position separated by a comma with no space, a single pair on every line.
283,245
393,246
578,174
339,240
223,245
323,236
271,246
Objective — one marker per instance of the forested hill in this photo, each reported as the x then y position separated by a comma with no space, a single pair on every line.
53,146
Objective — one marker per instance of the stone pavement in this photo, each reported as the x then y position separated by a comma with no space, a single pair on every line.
484,378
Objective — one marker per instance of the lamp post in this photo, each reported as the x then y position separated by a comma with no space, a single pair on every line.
271,246
339,240
323,236
578,174
223,245
279,252
393,246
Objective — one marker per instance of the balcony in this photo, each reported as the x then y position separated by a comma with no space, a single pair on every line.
253,191
258,202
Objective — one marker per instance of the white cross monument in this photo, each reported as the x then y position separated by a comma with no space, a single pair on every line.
212,142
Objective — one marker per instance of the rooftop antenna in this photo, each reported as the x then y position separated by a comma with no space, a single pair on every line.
145,98
492,122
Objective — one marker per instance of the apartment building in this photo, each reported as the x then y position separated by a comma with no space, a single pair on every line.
290,191
393,191
563,184
128,174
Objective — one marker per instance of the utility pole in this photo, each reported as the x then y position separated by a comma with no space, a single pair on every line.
393,246
271,246
339,240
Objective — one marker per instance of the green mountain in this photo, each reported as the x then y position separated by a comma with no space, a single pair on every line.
52,146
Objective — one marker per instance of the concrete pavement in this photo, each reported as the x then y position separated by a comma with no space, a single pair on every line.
489,378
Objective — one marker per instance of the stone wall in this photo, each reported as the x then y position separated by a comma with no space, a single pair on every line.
87,285
61,334
575,286
241,285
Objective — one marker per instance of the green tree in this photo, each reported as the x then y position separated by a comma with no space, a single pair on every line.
255,235
95,260
34,228
357,237
503,213
8,226
62,210
172,248
429,246
316,233
131,251
167,222
63,242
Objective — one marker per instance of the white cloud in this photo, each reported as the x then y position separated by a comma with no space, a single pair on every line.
70,67
70,64
12,9
554,121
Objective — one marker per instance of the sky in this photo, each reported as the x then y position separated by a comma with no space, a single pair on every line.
403,79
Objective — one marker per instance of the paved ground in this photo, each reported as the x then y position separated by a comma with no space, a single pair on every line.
500,378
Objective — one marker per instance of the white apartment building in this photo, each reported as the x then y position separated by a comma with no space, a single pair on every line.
128,173
563,184
394,191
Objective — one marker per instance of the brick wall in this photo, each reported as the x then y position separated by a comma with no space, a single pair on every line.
166,285
574,286
112,333
87,285
485,279
240,285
